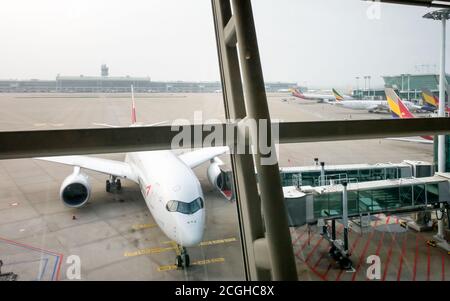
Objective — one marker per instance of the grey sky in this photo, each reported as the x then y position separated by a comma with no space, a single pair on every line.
318,42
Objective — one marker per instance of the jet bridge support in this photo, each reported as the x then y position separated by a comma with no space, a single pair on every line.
339,248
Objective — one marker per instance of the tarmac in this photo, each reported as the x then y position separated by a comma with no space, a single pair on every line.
116,237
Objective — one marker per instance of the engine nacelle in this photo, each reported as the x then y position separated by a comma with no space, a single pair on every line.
75,189
215,176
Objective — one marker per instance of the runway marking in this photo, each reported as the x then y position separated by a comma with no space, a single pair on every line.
174,246
172,267
143,226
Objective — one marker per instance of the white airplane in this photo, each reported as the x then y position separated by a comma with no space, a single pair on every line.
311,96
369,105
170,188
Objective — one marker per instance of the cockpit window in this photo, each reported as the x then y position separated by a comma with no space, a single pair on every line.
185,208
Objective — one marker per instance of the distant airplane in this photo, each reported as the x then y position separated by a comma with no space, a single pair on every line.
431,102
339,96
168,185
399,110
311,96
369,105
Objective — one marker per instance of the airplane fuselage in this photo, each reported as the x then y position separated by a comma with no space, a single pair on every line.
172,193
371,105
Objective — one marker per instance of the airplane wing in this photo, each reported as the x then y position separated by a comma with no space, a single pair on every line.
417,140
199,156
106,166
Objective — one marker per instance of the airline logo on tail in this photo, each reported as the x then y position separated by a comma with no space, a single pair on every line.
337,96
398,109
429,98
133,107
297,93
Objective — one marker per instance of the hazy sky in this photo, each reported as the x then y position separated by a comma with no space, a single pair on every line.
315,42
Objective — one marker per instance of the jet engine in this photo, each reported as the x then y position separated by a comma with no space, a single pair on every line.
214,173
75,189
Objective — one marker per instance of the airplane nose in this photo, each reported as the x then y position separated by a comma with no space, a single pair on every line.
191,232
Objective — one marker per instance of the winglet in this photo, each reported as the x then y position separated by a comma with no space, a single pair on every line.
133,107
337,96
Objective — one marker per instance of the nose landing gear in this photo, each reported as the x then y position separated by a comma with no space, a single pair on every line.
182,260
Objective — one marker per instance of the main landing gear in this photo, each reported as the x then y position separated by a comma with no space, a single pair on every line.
113,182
182,260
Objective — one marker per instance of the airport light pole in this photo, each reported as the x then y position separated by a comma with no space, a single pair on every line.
441,15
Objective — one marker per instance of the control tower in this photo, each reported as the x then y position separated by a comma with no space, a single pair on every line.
104,70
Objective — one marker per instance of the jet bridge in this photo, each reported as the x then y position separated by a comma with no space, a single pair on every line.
307,204
322,174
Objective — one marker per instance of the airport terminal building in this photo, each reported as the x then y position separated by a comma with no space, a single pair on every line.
409,86
109,84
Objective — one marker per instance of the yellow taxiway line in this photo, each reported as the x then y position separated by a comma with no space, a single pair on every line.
174,246
172,267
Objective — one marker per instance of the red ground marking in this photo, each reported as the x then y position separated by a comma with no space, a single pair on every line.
396,220
416,258
314,249
326,272
300,236
379,244
355,243
443,267
323,253
378,247
310,267
59,267
399,273
387,220
30,247
60,255
388,260
361,258
303,246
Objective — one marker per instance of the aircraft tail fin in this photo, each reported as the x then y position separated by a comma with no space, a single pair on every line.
396,105
429,99
133,107
297,93
337,96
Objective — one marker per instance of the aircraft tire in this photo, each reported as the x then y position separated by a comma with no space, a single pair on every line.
179,261
186,260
